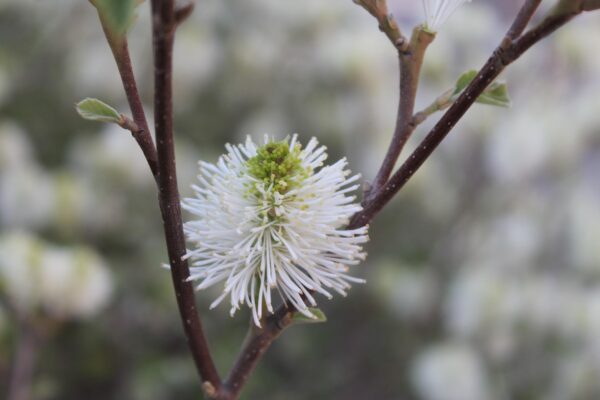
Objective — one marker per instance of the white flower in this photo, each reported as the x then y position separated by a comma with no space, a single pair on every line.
438,11
268,219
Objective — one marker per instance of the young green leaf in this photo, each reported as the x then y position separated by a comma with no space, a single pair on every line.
96,110
319,316
463,81
495,95
118,14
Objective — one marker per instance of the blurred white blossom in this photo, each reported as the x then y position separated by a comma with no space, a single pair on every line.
410,291
450,372
112,154
61,282
27,197
15,148
584,229
3,321
576,377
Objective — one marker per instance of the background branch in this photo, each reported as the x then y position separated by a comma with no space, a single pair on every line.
163,32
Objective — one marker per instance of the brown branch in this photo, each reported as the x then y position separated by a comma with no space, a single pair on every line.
410,62
163,33
442,102
506,53
522,19
127,123
387,23
591,5
545,28
256,344
182,12
143,136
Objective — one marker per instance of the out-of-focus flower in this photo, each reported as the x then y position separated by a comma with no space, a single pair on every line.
15,149
584,228
438,11
60,282
26,197
112,154
4,85
576,377
3,321
196,60
410,292
450,372
273,217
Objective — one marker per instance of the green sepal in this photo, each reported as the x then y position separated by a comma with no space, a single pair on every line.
319,316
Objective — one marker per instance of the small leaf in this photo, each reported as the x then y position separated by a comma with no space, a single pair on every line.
118,14
495,95
96,110
300,318
464,80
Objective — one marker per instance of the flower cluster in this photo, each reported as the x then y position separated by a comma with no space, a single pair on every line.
273,217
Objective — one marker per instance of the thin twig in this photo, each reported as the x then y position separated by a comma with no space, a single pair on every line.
129,124
410,62
387,22
163,32
442,102
142,136
545,28
505,54
182,12
522,19
254,347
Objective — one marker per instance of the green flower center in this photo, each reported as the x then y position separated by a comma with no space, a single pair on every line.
276,165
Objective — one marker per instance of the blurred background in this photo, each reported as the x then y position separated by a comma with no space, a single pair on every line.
483,276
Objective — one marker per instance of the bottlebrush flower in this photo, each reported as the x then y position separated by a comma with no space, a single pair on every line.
438,11
273,217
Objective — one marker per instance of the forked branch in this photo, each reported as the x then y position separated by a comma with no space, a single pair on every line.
507,52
